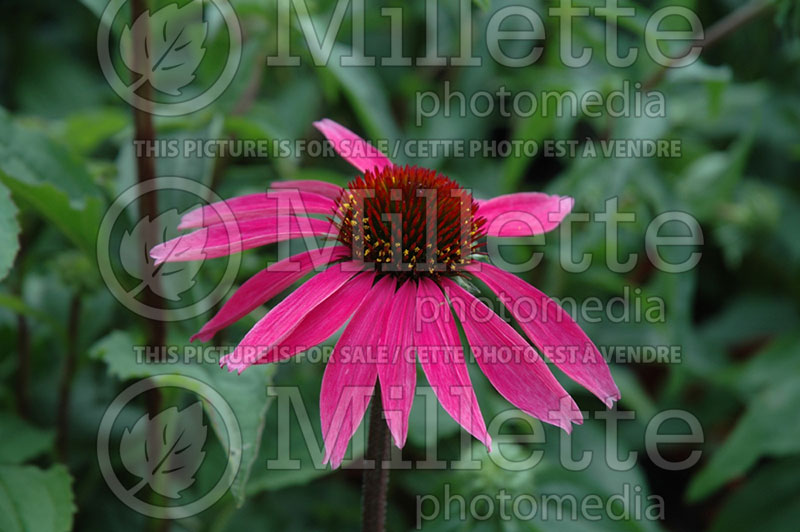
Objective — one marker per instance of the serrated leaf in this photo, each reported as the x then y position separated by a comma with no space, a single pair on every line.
58,482
52,180
33,500
173,46
167,464
33,158
9,232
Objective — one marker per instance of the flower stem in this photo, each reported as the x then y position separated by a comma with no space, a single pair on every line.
24,367
376,476
67,376
145,133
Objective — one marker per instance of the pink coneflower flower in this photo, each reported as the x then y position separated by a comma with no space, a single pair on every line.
406,240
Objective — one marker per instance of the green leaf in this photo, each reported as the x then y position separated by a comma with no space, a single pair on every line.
9,232
749,318
35,159
59,486
625,501
768,501
55,182
78,225
21,441
246,394
779,361
84,131
35,500
300,440
770,427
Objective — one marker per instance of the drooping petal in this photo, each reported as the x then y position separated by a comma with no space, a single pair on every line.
271,203
351,147
323,188
352,370
510,363
228,238
324,320
398,370
286,315
265,285
553,331
524,213
442,359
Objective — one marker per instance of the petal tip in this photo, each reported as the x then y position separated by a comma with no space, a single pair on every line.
323,123
157,254
611,399
329,459
399,440
487,442
203,335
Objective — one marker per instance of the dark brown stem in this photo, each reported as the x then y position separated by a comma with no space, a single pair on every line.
145,136
376,475
67,375
22,381
23,366
721,29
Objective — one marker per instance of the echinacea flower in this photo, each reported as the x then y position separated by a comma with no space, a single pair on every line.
406,239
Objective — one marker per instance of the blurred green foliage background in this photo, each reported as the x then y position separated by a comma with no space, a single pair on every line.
66,152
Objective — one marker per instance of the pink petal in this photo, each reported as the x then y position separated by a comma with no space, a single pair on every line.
442,359
266,284
524,213
553,331
259,205
351,372
324,320
351,147
510,363
286,315
398,369
228,238
323,188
